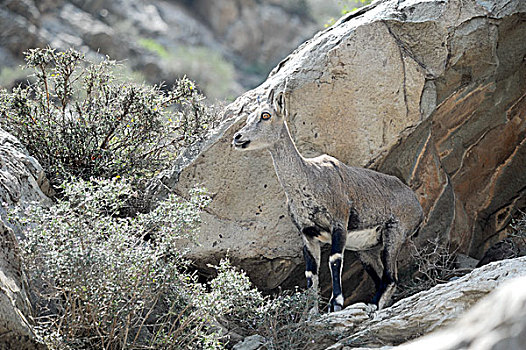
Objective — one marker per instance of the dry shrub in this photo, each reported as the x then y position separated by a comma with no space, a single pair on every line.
432,264
79,118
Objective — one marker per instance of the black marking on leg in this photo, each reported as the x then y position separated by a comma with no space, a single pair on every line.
386,280
338,241
382,287
387,275
336,266
310,265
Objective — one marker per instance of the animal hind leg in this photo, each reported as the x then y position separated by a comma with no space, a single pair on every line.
339,236
372,263
393,240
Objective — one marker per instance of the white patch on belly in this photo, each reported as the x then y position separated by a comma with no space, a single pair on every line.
363,239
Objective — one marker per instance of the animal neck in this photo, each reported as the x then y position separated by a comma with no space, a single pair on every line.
289,164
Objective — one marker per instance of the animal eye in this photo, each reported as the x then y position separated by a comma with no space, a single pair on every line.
265,115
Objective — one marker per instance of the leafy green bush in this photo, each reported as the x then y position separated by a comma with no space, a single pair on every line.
281,320
233,297
284,321
77,118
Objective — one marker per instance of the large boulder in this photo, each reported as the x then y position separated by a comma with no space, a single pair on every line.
430,91
504,329
22,181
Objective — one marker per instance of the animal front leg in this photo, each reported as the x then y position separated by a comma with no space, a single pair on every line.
339,236
311,254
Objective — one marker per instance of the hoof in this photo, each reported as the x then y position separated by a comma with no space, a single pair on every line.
386,298
337,308
359,312
336,304
367,308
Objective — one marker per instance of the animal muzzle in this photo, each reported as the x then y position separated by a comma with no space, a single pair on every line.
239,142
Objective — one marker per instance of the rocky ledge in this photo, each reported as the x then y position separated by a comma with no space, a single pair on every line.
484,310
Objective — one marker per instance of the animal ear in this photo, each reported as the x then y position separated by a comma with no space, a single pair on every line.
279,104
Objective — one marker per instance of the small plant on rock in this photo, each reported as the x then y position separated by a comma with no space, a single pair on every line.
432,264
348,6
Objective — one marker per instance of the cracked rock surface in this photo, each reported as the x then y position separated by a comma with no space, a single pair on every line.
430,91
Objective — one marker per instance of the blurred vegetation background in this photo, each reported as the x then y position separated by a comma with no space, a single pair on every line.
226,47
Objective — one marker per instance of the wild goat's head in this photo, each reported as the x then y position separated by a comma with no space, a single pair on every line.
263,127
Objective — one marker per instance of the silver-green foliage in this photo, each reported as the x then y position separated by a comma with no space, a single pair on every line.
108,282
281,320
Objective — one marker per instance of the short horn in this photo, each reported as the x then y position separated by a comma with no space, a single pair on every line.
270,97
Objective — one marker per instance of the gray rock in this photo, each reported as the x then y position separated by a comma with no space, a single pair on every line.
21,177
21,183
502,328
14,27
16,329
496,322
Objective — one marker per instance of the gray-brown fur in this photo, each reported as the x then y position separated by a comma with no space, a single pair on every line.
329,201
